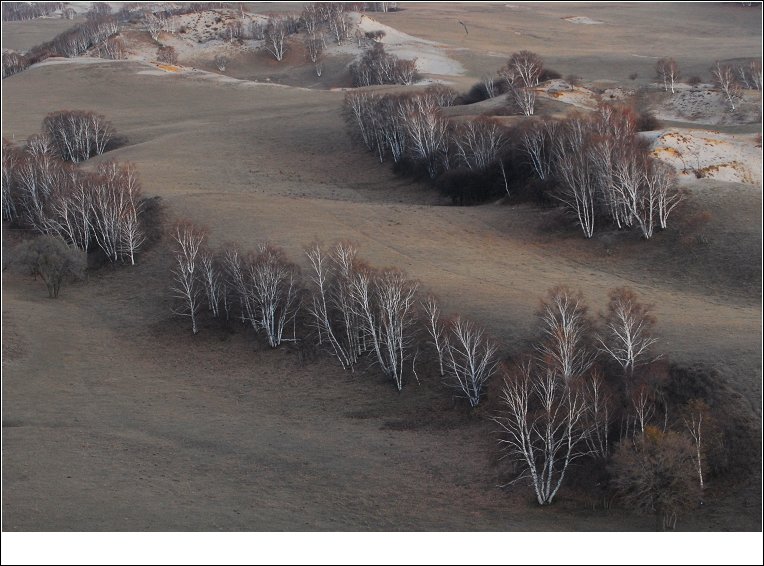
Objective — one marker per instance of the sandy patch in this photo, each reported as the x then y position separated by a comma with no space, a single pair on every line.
432,57
582,20
705,105
562,91
708,154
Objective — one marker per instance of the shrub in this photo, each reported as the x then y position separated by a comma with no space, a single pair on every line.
167,54
52,260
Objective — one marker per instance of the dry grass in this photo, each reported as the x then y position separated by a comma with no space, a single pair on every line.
108,398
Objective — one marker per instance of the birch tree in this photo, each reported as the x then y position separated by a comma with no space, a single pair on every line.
275,37
627,333
565,328
471,359
333,314
436,328
189,241
10,161
537,143
479,143
386,301
274,290
544,426
726,81
574,170
668,71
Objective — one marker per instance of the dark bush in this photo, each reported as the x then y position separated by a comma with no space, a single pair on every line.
49,258
548,75
647,122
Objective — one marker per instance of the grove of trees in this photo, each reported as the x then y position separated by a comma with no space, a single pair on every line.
593,165
44,190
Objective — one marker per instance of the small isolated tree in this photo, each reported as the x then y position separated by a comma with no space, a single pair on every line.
668,71
627,334
471,359
187,283
726,81
654,473
167,54
221,62
544,426
52,260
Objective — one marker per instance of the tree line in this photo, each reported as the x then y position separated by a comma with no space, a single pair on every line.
20,11
595,165
592,393
97,31
44,190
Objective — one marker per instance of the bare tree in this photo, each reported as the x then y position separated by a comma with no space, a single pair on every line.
386,302
627,334
668,71
696,417
724,78
599,415
537,142
154,25
333,312
189,241
471,359
544,426
211,274
10,161
221,61
275,37
754,73
341,26
576,173
113,48
565,327
479,142
661,189
522,73
428,134
272,285
442,94
630,170
436,328
489,83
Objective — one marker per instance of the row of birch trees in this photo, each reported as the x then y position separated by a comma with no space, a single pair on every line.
590,389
